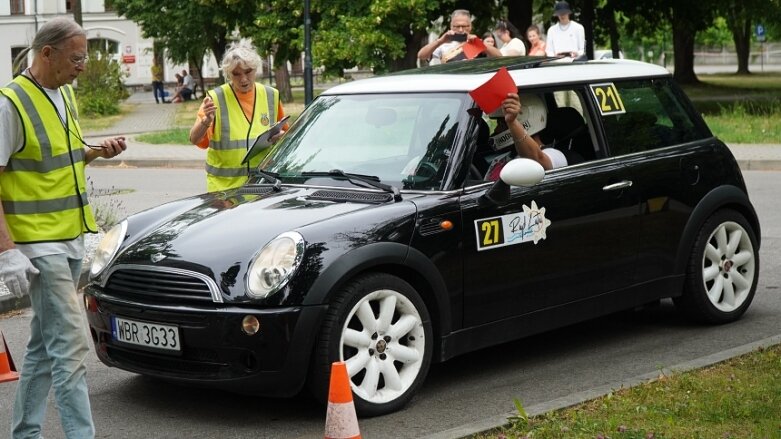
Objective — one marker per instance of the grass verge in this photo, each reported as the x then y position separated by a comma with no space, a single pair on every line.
100,123
739,398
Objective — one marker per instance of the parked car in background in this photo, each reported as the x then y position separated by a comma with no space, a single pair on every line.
372,234
607,54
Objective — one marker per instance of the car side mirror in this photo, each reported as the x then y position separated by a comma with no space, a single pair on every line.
517,172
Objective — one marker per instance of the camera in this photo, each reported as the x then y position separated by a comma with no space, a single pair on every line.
458,37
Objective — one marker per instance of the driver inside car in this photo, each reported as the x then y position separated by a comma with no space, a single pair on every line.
517,135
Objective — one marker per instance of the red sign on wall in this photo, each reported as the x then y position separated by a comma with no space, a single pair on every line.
128,59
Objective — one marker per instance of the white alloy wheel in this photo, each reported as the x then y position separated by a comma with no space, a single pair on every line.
728,266
383,343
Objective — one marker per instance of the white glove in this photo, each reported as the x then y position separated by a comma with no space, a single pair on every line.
15,271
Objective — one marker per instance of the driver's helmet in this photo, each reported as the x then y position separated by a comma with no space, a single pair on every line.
533,117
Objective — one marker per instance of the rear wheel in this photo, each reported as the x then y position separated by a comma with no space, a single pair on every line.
379,326
723,269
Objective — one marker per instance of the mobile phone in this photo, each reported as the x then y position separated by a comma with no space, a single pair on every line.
458,37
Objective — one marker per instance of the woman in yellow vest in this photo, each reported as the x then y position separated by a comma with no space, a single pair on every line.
231,116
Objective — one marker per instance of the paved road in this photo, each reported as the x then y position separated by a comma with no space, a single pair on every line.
469,393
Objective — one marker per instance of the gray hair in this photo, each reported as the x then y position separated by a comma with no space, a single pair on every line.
460,12
52,33
237,54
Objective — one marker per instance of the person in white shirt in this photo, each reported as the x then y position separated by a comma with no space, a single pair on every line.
567,38
508,35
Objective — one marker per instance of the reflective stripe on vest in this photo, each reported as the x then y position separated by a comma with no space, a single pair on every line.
43,186
233,134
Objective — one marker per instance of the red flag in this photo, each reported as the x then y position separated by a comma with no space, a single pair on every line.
490,95
473,48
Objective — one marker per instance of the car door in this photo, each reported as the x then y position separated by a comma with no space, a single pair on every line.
568,239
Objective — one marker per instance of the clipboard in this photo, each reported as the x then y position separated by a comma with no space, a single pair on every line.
263,141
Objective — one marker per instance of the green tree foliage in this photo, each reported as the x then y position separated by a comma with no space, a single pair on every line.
187,29
100,86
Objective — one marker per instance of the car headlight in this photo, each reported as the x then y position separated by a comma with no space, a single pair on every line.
275,264
108,248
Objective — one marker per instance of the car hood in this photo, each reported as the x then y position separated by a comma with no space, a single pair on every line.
217,231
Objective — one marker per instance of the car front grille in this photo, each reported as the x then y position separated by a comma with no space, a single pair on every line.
358,197
161,286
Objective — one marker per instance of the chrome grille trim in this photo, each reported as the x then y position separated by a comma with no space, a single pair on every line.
214,290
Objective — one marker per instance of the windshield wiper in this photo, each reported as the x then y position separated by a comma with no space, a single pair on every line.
371,180
276,183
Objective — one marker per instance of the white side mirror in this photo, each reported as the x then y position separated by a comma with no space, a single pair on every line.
522,172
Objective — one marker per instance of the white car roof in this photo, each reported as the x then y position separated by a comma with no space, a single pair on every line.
530,72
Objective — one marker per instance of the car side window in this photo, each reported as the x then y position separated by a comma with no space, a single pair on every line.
654,117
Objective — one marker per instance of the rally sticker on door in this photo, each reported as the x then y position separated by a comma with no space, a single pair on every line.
515,228
608,100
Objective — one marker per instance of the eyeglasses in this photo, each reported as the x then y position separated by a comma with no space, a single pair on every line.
76,60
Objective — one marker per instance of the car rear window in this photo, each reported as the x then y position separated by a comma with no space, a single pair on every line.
654,117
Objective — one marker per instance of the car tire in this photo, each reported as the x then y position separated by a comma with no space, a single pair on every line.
721,276
388,353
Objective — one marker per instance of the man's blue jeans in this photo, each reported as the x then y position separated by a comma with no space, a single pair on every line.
56,353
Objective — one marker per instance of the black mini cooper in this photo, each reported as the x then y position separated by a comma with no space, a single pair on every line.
374,233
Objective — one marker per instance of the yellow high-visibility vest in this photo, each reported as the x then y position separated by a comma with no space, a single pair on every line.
234,133
43,188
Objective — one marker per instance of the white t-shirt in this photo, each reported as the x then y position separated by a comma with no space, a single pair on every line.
189,82
557,158
11,141
514,47
569,38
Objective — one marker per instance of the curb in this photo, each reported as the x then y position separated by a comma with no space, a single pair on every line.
759,165
11,303
150,163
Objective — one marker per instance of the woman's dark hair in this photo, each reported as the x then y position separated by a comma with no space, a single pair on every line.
489,34
504,25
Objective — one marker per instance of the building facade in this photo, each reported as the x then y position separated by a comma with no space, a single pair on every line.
122,38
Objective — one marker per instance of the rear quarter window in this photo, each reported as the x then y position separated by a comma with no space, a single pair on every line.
655,117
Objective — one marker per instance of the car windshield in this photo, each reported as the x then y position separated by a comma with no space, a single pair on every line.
402,140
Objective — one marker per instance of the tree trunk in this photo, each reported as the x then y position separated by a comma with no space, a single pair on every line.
282,78
195,69
683,46
741,35
587,20
612,28
519,13
413,42
76,8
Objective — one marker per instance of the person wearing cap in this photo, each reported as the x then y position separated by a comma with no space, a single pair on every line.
567,38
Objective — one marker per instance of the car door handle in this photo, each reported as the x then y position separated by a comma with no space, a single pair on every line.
617,186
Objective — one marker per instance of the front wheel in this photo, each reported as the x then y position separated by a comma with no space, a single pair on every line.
379,326
723,269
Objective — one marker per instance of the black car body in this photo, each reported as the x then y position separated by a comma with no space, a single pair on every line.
372,238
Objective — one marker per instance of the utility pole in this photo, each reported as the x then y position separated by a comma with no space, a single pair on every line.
308,92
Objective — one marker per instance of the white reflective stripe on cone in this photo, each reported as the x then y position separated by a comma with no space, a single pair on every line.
340,421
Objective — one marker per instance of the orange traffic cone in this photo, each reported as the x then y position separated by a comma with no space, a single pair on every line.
341,422
7,368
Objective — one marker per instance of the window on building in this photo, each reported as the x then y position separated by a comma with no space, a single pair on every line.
17,7
104,45
68,6
14,53
108,5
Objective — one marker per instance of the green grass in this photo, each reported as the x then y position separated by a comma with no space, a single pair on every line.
747,122
99,123
740,398
176,136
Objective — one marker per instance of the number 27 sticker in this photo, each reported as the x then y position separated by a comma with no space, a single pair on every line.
608,99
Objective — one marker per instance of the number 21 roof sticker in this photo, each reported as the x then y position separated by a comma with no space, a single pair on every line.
515,228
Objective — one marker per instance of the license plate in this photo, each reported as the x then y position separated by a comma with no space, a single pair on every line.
151,335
